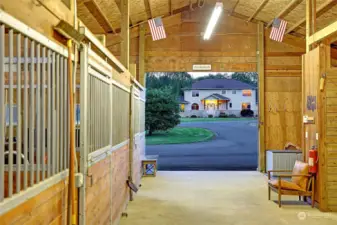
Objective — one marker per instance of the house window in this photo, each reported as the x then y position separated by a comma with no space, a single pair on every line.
230,105
195,106
246,105
223,91
247,93
195,93
234,92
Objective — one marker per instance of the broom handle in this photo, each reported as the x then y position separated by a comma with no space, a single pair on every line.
71,187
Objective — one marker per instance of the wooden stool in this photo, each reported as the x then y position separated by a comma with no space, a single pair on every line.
149,164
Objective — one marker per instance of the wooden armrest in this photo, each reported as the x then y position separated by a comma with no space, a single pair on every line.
290,171
283,171
293,175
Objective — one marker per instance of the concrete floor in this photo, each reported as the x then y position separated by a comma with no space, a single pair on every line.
209,198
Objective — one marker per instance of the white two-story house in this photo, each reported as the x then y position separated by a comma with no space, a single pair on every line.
215,96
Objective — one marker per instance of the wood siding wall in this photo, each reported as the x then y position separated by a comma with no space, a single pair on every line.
48,207
282,93
322,133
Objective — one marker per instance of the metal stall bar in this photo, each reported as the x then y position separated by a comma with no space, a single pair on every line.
38,113
49,113
19,126
43,113
57,111
53,145
25,115
31,114
2,111
11,97
84,130
60,109
65,113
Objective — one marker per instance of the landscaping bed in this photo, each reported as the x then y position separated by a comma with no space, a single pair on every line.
180,135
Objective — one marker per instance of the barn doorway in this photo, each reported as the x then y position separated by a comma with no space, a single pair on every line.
217,128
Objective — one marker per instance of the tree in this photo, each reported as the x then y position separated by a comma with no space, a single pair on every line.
173,80
246,77
162,110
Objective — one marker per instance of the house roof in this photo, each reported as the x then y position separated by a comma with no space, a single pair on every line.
217,96
230,84
181,100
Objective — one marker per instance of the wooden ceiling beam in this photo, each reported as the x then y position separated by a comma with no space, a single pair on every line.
118,3
98,14
169,21
320,11
261,6
148,9
293,4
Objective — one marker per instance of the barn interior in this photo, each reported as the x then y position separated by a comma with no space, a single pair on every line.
62,57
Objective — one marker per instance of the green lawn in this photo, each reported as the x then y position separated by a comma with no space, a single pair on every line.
179,135
184,120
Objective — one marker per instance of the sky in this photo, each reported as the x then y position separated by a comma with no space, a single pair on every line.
202,74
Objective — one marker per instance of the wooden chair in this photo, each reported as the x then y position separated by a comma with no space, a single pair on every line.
300,184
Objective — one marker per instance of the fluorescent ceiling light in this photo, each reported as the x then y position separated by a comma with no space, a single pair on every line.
213,21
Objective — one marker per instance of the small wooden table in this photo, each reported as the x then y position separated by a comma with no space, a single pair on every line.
149,164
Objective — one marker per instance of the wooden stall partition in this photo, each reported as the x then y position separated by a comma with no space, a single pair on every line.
47,207
319,102
42,15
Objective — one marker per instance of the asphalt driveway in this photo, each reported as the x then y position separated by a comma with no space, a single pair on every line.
234,147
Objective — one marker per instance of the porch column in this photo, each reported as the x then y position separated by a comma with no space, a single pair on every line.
217,103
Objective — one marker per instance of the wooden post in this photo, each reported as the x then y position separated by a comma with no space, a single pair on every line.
131,137
125,32
71,187
142,76
308,23
260,66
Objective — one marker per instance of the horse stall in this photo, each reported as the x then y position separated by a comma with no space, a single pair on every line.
35,128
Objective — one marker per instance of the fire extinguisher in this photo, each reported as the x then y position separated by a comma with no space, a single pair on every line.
313,159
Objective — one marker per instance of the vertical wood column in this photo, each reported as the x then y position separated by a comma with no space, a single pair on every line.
260,66
308,15
142,76
125,32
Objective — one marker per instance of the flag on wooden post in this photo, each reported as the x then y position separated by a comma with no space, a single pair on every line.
157,29
278,29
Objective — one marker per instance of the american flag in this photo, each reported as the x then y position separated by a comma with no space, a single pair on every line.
157,29
278,29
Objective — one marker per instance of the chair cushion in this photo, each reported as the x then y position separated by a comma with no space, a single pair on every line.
286,185
301,168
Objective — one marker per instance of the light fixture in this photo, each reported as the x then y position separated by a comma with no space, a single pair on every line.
213,21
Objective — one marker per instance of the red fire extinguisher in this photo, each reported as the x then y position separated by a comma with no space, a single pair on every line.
313,159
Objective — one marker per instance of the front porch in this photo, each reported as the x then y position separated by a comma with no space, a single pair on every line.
212,198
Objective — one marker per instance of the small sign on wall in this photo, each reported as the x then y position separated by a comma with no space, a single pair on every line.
203,67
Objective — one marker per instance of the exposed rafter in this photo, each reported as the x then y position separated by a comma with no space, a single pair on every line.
263,3
148,9
118,2
235,5
320,10
98,14
286,10
170,5
113,39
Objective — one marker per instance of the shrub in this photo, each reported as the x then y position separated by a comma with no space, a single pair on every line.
210,116
223,115
193,116
247,113
232,116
